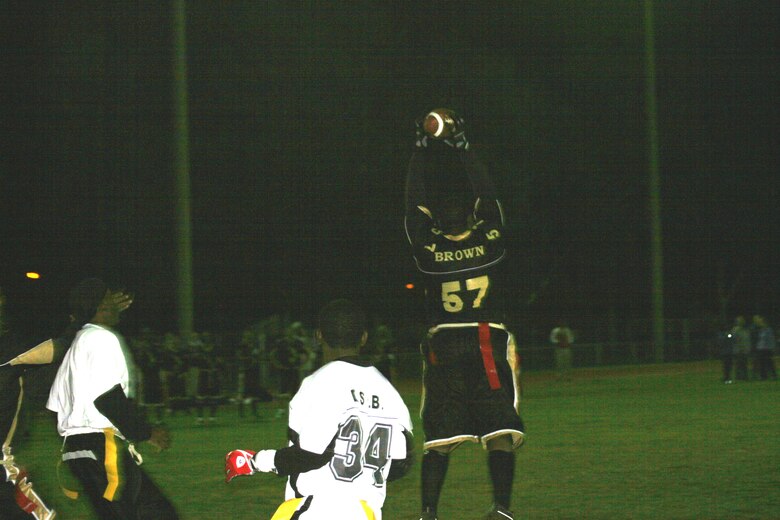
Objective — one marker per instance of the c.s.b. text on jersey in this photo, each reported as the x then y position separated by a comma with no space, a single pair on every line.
370,400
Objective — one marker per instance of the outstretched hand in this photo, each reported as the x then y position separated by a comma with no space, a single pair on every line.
121,300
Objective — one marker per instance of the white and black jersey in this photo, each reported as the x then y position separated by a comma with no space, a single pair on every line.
349,411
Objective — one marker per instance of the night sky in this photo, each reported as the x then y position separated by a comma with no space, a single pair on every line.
301,125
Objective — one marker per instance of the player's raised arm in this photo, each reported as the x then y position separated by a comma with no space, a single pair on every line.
439,131
415,199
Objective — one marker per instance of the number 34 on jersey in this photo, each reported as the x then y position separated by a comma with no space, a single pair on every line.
355,451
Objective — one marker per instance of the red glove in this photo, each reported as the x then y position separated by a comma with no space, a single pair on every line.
238,463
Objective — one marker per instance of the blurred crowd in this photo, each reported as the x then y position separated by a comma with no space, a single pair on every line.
200,373
744,342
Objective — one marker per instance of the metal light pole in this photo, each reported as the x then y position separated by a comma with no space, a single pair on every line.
182,171
654,186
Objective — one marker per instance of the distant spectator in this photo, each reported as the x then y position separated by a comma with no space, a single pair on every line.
753,328
381,350
288,356
248,373
725,341
207,395
304,339
171,364
192,372
740,336
562,337
313,357
145,349
765,349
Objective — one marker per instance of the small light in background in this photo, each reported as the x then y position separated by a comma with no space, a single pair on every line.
409,286
33,276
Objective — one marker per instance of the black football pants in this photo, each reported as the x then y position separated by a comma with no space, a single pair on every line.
115,485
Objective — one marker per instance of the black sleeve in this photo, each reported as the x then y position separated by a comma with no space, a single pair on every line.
294,459
400,467
488,206
415,197
415,183
124,414
478,175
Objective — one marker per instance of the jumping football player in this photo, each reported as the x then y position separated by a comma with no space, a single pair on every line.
349,430
455,225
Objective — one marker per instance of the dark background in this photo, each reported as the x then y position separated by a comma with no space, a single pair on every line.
301,124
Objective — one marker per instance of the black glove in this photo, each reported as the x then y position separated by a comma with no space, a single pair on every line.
421,136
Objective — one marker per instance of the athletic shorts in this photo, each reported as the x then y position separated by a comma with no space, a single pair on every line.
470,392
322,508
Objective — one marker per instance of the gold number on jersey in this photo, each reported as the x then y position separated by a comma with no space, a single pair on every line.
453,302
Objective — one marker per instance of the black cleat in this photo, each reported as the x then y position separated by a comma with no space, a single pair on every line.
428,515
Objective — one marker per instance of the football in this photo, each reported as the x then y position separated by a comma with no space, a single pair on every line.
439,123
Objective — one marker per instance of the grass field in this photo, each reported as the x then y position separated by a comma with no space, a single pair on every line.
656,441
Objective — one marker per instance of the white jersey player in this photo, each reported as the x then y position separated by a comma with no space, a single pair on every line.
350,432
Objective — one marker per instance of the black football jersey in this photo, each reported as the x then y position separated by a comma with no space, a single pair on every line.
462,277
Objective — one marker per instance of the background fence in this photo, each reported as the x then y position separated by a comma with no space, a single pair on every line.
537,357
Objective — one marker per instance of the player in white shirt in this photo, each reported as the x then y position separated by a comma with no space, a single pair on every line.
350,432
92,396
18,361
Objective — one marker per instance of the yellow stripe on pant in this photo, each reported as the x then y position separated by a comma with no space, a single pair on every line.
112,470
290,509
